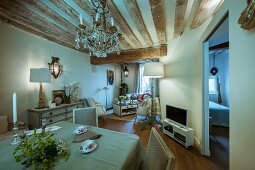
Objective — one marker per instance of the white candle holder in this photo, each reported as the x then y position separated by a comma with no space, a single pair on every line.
16,139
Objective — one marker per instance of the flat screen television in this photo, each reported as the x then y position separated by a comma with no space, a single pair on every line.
177,115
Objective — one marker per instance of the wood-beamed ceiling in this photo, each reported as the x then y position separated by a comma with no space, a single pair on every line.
143,23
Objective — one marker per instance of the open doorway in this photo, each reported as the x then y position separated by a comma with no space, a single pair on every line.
216,94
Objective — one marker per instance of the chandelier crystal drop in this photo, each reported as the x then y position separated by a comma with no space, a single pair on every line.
104,37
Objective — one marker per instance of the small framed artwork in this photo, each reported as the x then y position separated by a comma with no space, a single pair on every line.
58,97
110,77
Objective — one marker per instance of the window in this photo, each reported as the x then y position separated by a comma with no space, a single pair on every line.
212,85
144,82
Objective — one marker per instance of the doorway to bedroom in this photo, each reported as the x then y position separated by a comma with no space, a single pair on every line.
216,94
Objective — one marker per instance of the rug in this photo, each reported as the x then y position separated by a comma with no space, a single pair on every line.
130,118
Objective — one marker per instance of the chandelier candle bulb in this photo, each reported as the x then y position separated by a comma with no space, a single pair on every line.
81,19
14,106
112,21
97,17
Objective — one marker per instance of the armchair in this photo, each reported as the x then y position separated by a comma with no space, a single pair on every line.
99,107
144,108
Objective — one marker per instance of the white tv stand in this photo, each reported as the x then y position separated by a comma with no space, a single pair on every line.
183,135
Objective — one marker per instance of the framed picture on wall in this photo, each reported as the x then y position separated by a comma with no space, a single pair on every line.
58,96
110,77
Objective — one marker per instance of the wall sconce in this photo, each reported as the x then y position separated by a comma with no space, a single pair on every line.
125,71
56,69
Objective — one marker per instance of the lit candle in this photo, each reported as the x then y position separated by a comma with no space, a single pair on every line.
80,19
112,21
97,16
14,106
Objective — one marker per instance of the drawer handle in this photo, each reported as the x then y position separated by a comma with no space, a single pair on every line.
51,113
50,120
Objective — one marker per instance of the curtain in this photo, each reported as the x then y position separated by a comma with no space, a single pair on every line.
138,80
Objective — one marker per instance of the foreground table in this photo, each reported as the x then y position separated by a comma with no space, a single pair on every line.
115,151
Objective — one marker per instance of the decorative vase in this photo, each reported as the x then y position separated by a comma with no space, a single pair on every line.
74,95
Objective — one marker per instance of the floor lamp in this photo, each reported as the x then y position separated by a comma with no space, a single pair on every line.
153,70
105,89
40,75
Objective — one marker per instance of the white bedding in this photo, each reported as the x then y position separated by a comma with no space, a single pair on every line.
219,114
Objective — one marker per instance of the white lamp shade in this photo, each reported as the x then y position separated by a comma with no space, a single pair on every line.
40,75
153,70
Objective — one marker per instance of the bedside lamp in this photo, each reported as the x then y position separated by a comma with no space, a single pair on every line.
40,75
153,70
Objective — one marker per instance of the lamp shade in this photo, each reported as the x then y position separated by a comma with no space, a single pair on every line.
40,75
153,70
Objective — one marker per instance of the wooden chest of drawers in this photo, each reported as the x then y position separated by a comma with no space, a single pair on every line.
51,115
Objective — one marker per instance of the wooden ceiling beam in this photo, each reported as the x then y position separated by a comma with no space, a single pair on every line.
34,28
84,5
206,9
35,32
158,14
137,18
122,23
131,55
19,8
180,10
62,5
52,14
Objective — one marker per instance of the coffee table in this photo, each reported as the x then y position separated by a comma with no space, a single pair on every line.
122,109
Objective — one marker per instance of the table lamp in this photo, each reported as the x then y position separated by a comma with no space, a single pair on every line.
40,75
153,70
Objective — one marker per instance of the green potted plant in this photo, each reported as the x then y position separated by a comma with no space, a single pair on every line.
41,151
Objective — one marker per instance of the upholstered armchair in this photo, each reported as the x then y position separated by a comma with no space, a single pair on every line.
144,108
99,107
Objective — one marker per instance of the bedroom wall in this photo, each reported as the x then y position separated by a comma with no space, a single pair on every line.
222,63
21,51
184,89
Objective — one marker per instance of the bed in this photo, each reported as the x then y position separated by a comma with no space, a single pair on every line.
219,114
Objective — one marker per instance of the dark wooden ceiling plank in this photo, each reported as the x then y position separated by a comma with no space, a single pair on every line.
158,14
136,16
205,10
122,23
37,33
84,5
18,8
22,21
131,55
51,13
180,10
62,5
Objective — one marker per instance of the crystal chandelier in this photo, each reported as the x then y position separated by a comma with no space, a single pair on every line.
104,37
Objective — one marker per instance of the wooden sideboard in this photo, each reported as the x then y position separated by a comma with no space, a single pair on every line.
51,115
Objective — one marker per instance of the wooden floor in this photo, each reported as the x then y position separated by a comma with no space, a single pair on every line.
186,159
219,145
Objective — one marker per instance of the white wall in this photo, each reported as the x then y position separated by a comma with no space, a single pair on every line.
222,63
184,89
21,51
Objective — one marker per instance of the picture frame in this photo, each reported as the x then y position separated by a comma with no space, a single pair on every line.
110,77
56,94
